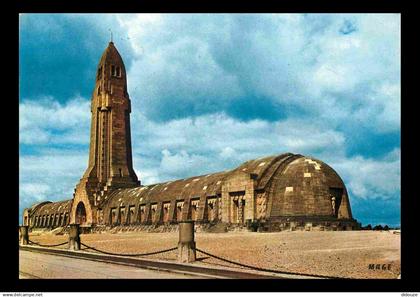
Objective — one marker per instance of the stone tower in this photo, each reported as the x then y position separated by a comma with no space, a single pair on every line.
110,157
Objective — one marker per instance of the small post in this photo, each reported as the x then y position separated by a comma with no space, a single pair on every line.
74,237
24,235
292,226
186,244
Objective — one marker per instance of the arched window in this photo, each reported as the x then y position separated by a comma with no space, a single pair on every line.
80,213
115,71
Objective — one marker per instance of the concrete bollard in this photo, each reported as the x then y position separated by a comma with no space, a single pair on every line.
186,244
24,235
74,237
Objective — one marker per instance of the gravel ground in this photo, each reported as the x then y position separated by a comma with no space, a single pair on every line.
329,253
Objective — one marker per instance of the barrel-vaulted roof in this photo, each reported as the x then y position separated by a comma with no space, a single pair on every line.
261,169
51,208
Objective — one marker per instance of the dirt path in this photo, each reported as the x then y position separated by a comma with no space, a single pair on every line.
340,253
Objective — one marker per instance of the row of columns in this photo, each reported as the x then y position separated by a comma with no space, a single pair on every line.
57,220
74,236
154,213
186,242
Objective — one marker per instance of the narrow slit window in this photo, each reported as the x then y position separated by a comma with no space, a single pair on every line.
99,72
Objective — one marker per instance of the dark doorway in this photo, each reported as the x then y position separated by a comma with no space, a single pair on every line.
80,214
335,195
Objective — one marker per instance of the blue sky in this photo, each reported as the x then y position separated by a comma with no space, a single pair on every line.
212,91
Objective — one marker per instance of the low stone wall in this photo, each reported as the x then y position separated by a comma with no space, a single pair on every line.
276,225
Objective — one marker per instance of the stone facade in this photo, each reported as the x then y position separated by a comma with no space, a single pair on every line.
287,191
110,158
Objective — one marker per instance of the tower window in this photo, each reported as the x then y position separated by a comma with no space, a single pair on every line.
99,90
99,73
115,71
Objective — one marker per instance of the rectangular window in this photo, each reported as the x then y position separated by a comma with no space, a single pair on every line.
100,73
132,214
123,215
113,218
113,72
237,207
154,212
194,208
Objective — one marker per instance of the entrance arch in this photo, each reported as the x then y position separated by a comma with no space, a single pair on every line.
80,214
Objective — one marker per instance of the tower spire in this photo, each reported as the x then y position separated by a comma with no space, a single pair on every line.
111,33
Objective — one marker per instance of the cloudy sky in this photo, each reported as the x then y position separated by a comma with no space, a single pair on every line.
209,92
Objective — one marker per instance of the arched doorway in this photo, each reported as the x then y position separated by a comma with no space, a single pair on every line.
80,214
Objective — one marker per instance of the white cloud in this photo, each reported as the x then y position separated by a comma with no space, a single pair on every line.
35,191
50,175
216,142
45,120
200,63
368,178
227,153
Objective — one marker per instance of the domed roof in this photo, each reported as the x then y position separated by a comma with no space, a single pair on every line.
305,187
261,170
295,185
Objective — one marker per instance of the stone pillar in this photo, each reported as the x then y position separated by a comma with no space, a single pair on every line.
186,244
250,207
241,210
74,237
225,207
24,235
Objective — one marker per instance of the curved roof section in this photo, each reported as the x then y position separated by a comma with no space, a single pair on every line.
111,54
314,165
304,188
52,208
34,207
262,169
